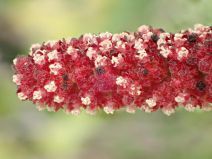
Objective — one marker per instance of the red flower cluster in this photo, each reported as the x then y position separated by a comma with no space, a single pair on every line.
149,69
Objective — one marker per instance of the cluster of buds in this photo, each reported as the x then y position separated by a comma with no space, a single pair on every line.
149,69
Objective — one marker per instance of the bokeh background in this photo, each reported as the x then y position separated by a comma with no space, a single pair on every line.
26,133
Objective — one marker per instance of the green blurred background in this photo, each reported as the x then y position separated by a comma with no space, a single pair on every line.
26,133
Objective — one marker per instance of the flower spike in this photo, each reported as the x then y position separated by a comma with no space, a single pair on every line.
149,69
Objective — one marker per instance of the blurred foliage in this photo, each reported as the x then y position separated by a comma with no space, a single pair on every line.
26,133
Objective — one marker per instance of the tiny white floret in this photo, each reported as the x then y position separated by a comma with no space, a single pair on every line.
22,96
54,68
52,55
146,109
90,52
165,52
183,52
164,35
147,36
141,54
15,61
17,79
116,60
50,87
58,99
70,50
134,90
37,95
168,111
138,44
189,107
34,47
106,35
38,57
178,36
116,37
89,38
86,100
100,60
105,45
199,28
108,110
121,81
179,99
120,44
151,102
143,29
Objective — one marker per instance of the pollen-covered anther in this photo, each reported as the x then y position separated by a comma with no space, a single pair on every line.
37,95
17,79
151,102
121,81
52,55
182,52
22,96
58,99
50,87
86,100
55,67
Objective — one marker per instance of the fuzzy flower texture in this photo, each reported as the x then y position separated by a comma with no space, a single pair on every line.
149,69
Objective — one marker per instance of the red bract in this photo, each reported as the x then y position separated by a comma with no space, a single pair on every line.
149,69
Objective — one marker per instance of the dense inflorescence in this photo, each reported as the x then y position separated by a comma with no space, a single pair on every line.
149,69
